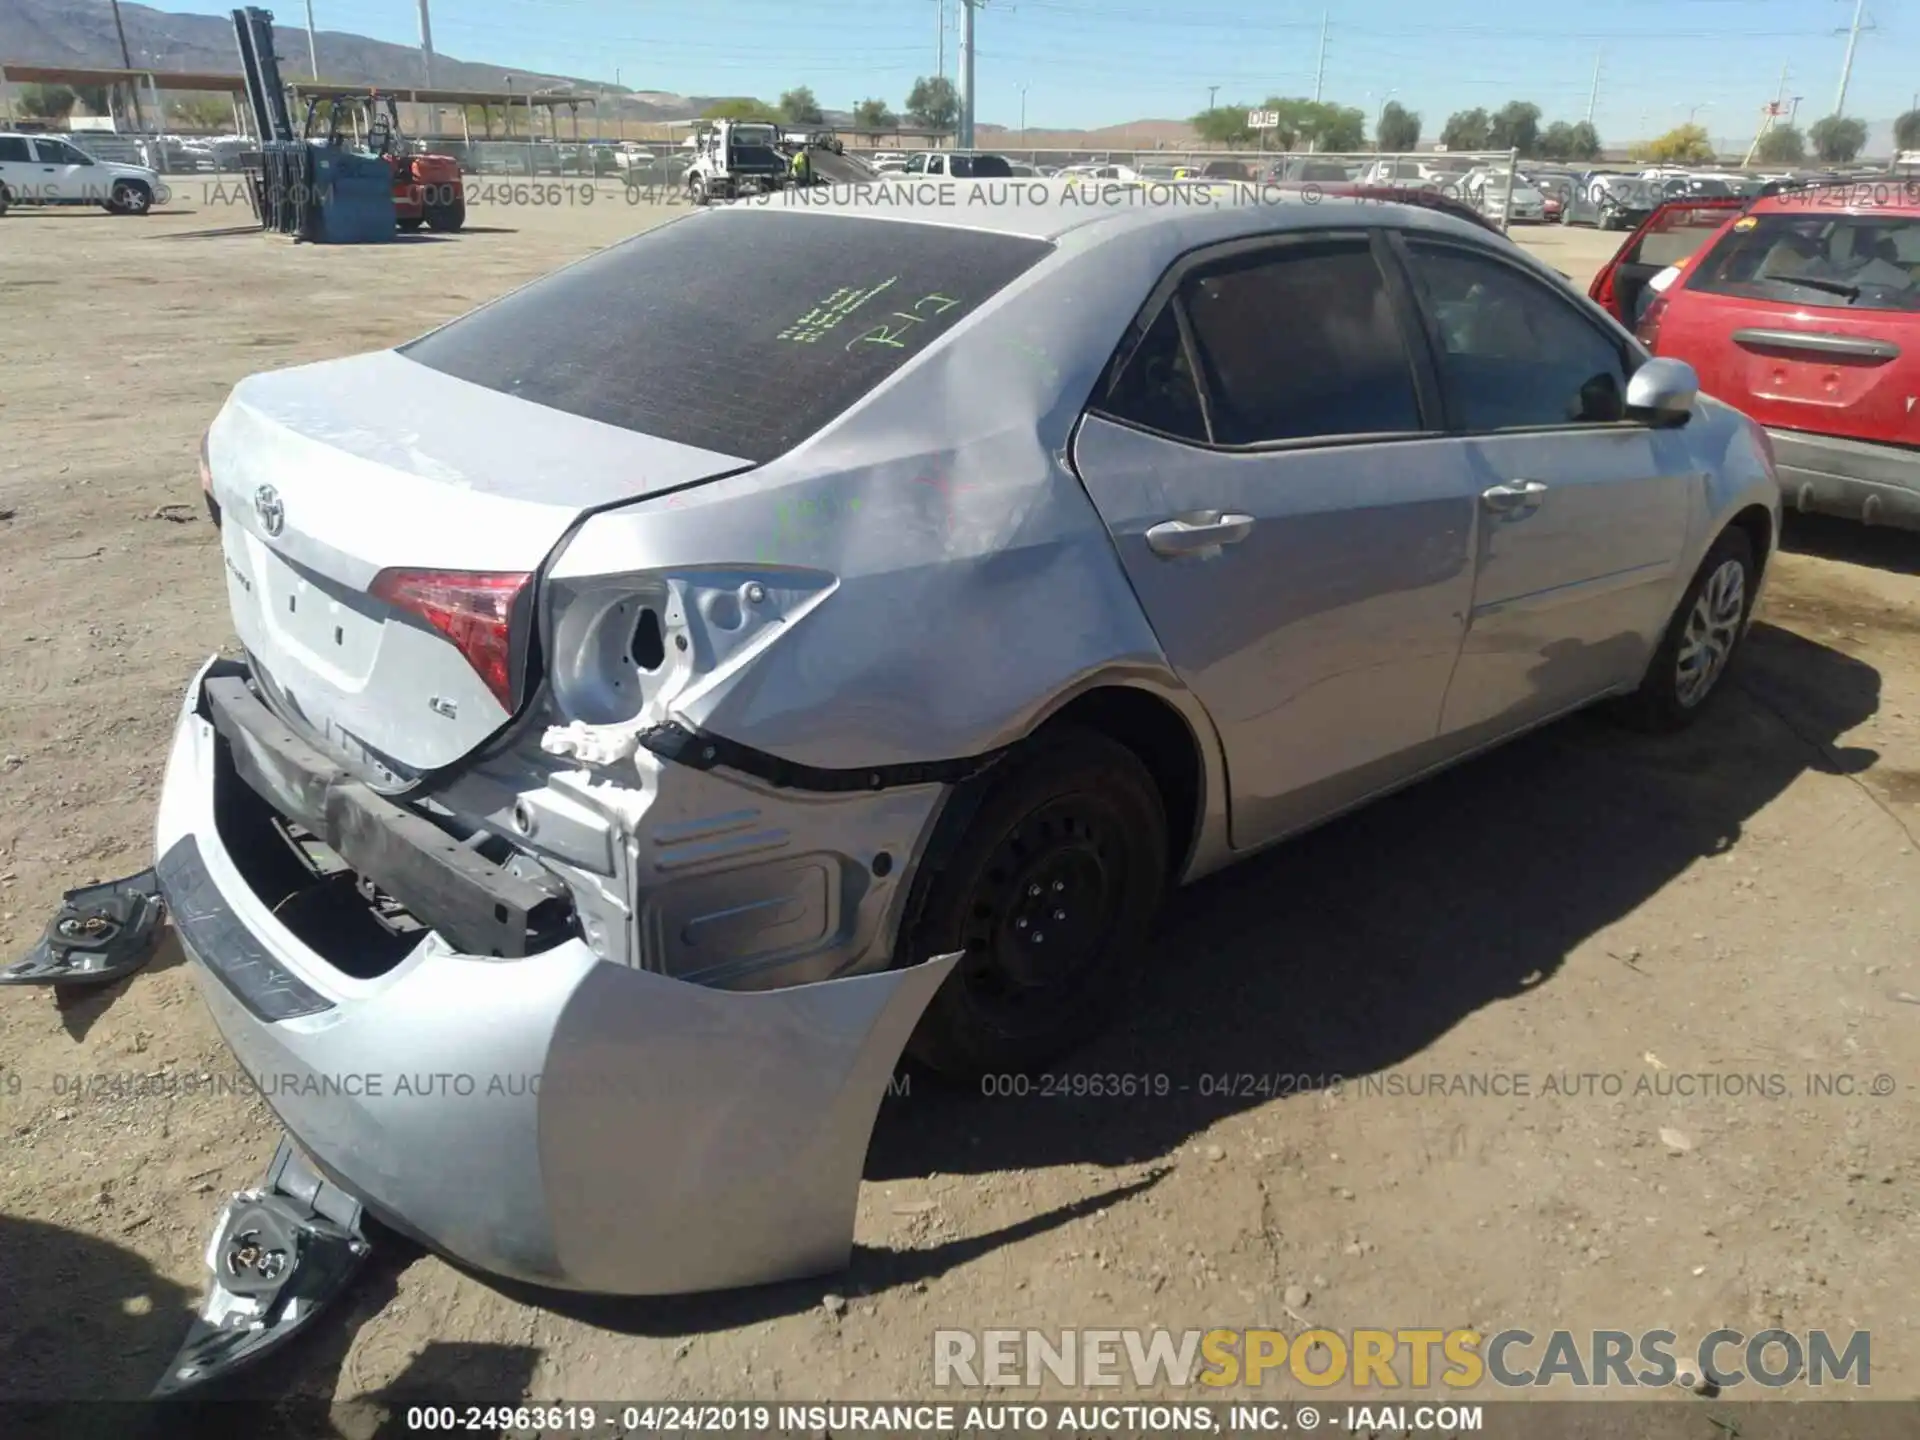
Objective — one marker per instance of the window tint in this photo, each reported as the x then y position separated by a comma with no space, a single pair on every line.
13,147
1155,385
1301,342
57,152
1862,262
741,330
1514,354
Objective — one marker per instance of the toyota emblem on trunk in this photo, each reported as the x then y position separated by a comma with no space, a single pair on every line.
273,514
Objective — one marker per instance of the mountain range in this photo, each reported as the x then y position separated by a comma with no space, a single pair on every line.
80,33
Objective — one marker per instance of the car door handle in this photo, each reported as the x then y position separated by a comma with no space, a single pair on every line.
1520,497
1198,534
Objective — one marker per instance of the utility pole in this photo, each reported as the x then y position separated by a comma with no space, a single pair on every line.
940,44
967,7
1846,66
313,50
126,59
1320,73
1023,115
426,66
1593,95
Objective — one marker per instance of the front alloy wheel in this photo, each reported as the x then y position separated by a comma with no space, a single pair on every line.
1713,628
130,199
1700,642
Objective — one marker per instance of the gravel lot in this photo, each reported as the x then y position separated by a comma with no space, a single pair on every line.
1606,911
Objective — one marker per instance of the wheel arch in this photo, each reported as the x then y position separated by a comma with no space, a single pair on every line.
1757,522
1167,728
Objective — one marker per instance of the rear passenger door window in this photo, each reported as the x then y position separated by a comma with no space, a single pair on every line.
1154,387
1300,342
1512,354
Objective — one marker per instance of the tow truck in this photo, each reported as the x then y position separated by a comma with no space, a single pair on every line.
732,158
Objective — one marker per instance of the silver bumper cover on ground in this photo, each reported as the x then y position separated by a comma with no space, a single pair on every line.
557,1119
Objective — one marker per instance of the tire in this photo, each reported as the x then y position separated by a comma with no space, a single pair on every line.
445,218
1071,815
696,190
410,224
129,197
1705,631
6,199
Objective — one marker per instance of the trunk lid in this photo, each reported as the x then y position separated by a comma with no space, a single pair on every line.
327,475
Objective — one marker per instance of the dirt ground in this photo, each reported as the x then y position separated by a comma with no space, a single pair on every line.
1702,914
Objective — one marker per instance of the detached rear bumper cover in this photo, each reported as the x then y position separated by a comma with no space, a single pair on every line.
1879,484
555,1119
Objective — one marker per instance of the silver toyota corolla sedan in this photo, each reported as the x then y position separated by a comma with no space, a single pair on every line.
808,630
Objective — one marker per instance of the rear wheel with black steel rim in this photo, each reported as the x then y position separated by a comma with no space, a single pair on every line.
1700,642
1049,890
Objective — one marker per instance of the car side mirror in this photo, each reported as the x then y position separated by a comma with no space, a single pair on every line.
1662,392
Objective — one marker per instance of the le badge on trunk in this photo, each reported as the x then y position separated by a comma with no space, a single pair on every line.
101,933
279,1254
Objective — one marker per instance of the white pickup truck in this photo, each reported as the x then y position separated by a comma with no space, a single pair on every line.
48,170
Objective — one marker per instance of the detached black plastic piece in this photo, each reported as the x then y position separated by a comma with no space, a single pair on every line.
279,1254
101,933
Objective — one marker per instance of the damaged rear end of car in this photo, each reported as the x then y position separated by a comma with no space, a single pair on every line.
477,885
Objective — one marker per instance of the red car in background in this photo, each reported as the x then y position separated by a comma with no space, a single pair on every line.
1802,309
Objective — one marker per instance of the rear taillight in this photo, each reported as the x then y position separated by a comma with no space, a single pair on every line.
472,609
206,484
1648,330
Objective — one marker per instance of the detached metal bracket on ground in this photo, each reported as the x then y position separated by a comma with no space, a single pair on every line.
102,933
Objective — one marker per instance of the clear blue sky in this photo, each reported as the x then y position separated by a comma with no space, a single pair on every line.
1103,62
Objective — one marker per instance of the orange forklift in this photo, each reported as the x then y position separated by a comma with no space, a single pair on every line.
427,188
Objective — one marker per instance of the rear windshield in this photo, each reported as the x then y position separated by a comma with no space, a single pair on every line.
742,330
1861,262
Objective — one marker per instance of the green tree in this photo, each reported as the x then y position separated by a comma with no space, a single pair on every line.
798,107
1466,130
1586,142
1906,131
480,116
739,107
1515,126
1334,129
933,104
1556,141
1782,145
1399,128
873,115
1223,125
1683,145
45,102
1838,139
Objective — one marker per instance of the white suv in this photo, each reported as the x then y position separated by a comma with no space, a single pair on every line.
49,170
